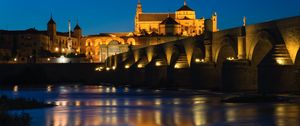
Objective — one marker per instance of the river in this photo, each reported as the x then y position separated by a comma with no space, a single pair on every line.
98,105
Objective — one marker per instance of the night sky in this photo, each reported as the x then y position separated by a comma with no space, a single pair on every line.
97,16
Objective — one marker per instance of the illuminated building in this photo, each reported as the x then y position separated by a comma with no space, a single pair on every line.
30,45
183,22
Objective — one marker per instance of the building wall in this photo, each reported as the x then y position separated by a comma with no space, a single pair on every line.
190,25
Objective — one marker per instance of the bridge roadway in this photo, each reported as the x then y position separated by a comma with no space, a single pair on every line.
262,57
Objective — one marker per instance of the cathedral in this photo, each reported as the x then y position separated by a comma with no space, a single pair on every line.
182,22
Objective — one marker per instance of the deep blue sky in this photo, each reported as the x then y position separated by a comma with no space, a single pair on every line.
97,16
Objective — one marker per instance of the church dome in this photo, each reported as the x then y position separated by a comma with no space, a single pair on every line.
185,8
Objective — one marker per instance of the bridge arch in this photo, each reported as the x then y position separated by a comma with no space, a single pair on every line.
261,47
226,50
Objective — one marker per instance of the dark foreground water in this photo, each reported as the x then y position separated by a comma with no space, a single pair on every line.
112,106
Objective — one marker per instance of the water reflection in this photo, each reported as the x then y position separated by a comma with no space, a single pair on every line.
101,105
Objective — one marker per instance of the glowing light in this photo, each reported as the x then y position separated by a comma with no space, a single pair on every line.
15,59
199,60
127,67
158,63
48,59
62,59
114,67
140,66
16,88
157,102
126,89
230,58
77,103
280,61
49,88
107,90
107,69
63,50
98,68
56,49
176,101
113,90
177,66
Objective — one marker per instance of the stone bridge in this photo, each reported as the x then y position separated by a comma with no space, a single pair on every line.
262,57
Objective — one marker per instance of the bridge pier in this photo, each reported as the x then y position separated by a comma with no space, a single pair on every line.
204,76
276,78
238,76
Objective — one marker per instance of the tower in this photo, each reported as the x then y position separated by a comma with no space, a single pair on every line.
77,31
78,35
70,43
139,10
214,19
51,30
242,41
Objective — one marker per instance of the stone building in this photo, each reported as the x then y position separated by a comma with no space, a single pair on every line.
183,22
31,45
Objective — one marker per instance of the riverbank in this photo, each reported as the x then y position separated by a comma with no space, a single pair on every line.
23,119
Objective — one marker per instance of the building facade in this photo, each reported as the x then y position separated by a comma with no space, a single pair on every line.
182,22
31,45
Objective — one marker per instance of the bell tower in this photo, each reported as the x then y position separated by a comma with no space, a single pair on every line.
139,10
51,30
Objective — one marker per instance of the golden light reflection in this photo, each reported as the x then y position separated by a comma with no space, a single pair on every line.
113,90
107,90
199,100
158,102
199,118
158,117
176,101
77,103
59,119
61,103
231,115
126,102
114,102
139,103
177,117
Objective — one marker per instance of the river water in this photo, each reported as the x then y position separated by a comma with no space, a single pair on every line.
79,105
